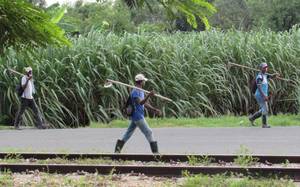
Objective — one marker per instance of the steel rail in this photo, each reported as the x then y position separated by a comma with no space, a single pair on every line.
150,157
167,171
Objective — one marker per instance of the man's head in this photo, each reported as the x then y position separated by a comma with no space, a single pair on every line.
140,79
28,71
263,67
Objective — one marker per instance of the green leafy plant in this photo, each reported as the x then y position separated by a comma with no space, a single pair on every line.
276,15
191,9
245,158
286,163
6,178
12,158
22,24
204,160
105,16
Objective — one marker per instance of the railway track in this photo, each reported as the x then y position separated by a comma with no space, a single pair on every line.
149,157
266,169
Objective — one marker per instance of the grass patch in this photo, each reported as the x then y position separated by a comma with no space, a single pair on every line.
5,127
222,180
222,121
6,179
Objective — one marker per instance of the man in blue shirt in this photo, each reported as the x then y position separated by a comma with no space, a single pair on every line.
261,95
139,100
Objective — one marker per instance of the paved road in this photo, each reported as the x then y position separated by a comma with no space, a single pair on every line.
277,140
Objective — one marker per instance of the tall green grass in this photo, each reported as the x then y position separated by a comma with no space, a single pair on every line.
190,68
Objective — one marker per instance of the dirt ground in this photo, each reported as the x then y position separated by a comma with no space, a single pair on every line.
126,180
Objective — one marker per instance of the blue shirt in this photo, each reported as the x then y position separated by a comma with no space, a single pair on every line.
262,80
138,112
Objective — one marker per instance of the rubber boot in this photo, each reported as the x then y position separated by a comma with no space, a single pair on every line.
119,146
264,122
41,127
254,117
154,147
17,127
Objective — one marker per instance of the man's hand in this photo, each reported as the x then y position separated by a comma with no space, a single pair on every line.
275,75
29,77
158,112
147,97
266,98
152,93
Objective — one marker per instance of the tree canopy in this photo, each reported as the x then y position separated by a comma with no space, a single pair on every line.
191,9
21,24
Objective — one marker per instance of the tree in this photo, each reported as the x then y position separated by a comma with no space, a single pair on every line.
107,15
38,3
232,14
277,15
22,24
191,9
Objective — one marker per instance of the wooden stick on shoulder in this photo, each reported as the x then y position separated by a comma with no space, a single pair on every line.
14,71
246,67
146,91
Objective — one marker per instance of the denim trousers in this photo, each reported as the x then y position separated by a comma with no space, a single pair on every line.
263,106
143,126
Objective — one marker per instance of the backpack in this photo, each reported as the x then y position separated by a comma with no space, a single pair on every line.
19,89
254,85
129,107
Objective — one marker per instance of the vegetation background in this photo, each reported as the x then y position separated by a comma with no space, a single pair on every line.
184,51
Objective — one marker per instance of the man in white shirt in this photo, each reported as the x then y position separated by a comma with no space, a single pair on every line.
27,100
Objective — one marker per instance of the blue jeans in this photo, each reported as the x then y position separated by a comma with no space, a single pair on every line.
263,105
143,126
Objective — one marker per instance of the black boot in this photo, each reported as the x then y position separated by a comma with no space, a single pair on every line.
154,147
254,117
119,146
264,122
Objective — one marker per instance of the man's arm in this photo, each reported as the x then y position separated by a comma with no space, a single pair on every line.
147,105
156,110
142,102
273,76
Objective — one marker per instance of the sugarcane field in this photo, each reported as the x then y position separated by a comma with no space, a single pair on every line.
149,93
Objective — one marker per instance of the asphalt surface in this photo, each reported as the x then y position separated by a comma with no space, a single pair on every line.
273,141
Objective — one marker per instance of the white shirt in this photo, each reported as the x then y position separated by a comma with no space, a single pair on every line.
29,90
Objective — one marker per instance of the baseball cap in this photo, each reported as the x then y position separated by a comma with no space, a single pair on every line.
140,77
263,65
27,69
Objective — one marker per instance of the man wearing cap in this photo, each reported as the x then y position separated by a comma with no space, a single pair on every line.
261,95
137,118
27,100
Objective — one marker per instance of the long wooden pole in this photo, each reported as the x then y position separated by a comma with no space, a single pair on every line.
130,86
246,67
16,72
